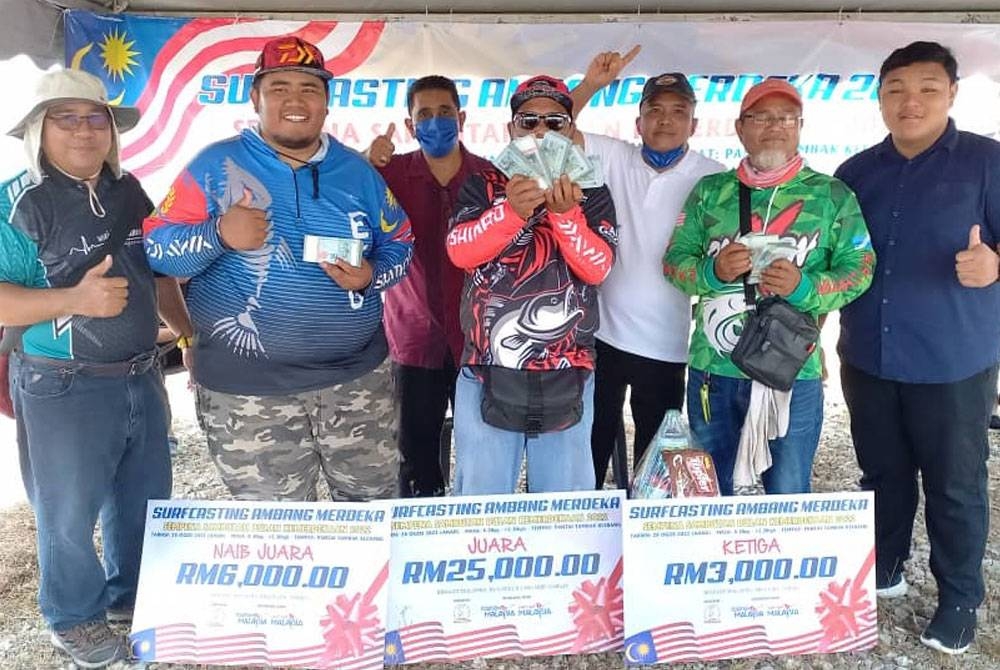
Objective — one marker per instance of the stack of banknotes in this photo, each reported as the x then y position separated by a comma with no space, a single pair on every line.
547,159
318,249
764,250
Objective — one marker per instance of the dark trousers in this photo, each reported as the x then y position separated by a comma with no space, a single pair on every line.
938,430
422,397
656,387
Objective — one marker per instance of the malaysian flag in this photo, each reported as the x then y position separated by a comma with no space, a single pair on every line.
161,65
596,608
352,638
677,642
847,620
426,642
182,643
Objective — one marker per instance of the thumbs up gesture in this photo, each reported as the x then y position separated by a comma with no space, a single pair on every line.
381,149
99,296
978,265
244,227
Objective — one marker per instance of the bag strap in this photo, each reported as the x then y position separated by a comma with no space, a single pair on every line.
10,336
749,292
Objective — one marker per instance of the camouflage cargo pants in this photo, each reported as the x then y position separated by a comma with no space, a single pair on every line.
274,447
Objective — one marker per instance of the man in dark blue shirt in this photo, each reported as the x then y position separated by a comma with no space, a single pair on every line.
919,350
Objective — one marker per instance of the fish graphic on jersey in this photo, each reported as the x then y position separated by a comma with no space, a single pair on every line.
239,330
524,335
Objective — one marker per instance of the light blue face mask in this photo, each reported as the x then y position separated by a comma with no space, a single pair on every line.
661,160
437,135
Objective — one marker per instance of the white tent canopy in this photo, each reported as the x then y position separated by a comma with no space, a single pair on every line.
532,6
34,27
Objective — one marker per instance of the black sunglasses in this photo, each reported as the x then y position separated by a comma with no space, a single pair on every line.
553,121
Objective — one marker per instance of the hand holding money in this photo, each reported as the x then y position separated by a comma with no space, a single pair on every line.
546,160
563,196
765,250
319,249
780,278
524,195
347,276
732,262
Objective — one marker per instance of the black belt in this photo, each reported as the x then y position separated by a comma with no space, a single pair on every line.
134,366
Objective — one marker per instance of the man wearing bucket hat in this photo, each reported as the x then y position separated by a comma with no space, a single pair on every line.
89,403
642,344
533,258
289,352
817,219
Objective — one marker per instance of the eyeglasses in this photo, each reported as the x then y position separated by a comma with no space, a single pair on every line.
765,120
95,120
552,121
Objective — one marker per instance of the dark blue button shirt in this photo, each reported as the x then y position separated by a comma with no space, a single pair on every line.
916,323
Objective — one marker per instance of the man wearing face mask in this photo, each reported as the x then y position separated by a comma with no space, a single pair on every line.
421,312
707,258
642,343
534,257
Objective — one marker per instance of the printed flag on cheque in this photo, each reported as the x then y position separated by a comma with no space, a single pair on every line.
708,579
512,576
276,584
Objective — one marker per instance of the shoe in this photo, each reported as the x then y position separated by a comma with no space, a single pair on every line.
897,589
119,615
995,422
90,645
951,631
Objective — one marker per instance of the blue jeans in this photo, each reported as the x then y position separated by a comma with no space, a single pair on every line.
89,445
719,433
488,459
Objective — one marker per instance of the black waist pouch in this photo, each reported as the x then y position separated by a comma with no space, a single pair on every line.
777,339
532,401
776,342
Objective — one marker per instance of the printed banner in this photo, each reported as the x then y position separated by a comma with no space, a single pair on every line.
285,584
191,77
524,575
749,576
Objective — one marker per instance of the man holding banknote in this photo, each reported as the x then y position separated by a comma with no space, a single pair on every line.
535,237
817,256
289,239
642,344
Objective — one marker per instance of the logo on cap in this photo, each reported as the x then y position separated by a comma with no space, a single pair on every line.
541,86
291,53
296,53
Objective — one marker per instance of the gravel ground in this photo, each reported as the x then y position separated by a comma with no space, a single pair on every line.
24,643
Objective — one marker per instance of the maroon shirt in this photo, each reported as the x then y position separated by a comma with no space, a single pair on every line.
421,312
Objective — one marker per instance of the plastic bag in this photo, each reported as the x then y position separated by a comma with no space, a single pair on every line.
672,467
